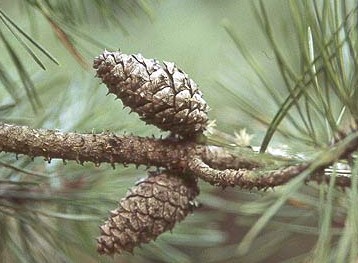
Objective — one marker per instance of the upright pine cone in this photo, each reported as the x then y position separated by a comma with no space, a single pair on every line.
150,208
162,95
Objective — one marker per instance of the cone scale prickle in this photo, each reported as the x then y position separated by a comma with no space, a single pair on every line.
162,95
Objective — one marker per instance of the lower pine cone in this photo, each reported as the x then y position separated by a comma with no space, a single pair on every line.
150,208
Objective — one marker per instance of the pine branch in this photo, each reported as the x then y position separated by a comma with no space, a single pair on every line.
166,97
96,148
179,156
245,178
110,148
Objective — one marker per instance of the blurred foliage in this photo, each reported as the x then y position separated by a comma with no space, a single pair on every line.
285,70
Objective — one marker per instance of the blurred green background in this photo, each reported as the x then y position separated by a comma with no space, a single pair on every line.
188,33
191,34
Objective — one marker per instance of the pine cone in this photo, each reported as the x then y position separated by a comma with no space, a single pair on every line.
150,208
162,95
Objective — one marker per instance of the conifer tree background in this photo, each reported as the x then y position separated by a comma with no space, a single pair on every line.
286,71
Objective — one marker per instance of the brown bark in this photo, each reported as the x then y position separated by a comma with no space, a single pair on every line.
110,148
211,163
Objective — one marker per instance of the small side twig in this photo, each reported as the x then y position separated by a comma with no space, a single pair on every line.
245,178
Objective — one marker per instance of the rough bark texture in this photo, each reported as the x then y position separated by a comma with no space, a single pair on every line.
150,208
110,148
211,163
245,178
96,148
162,95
